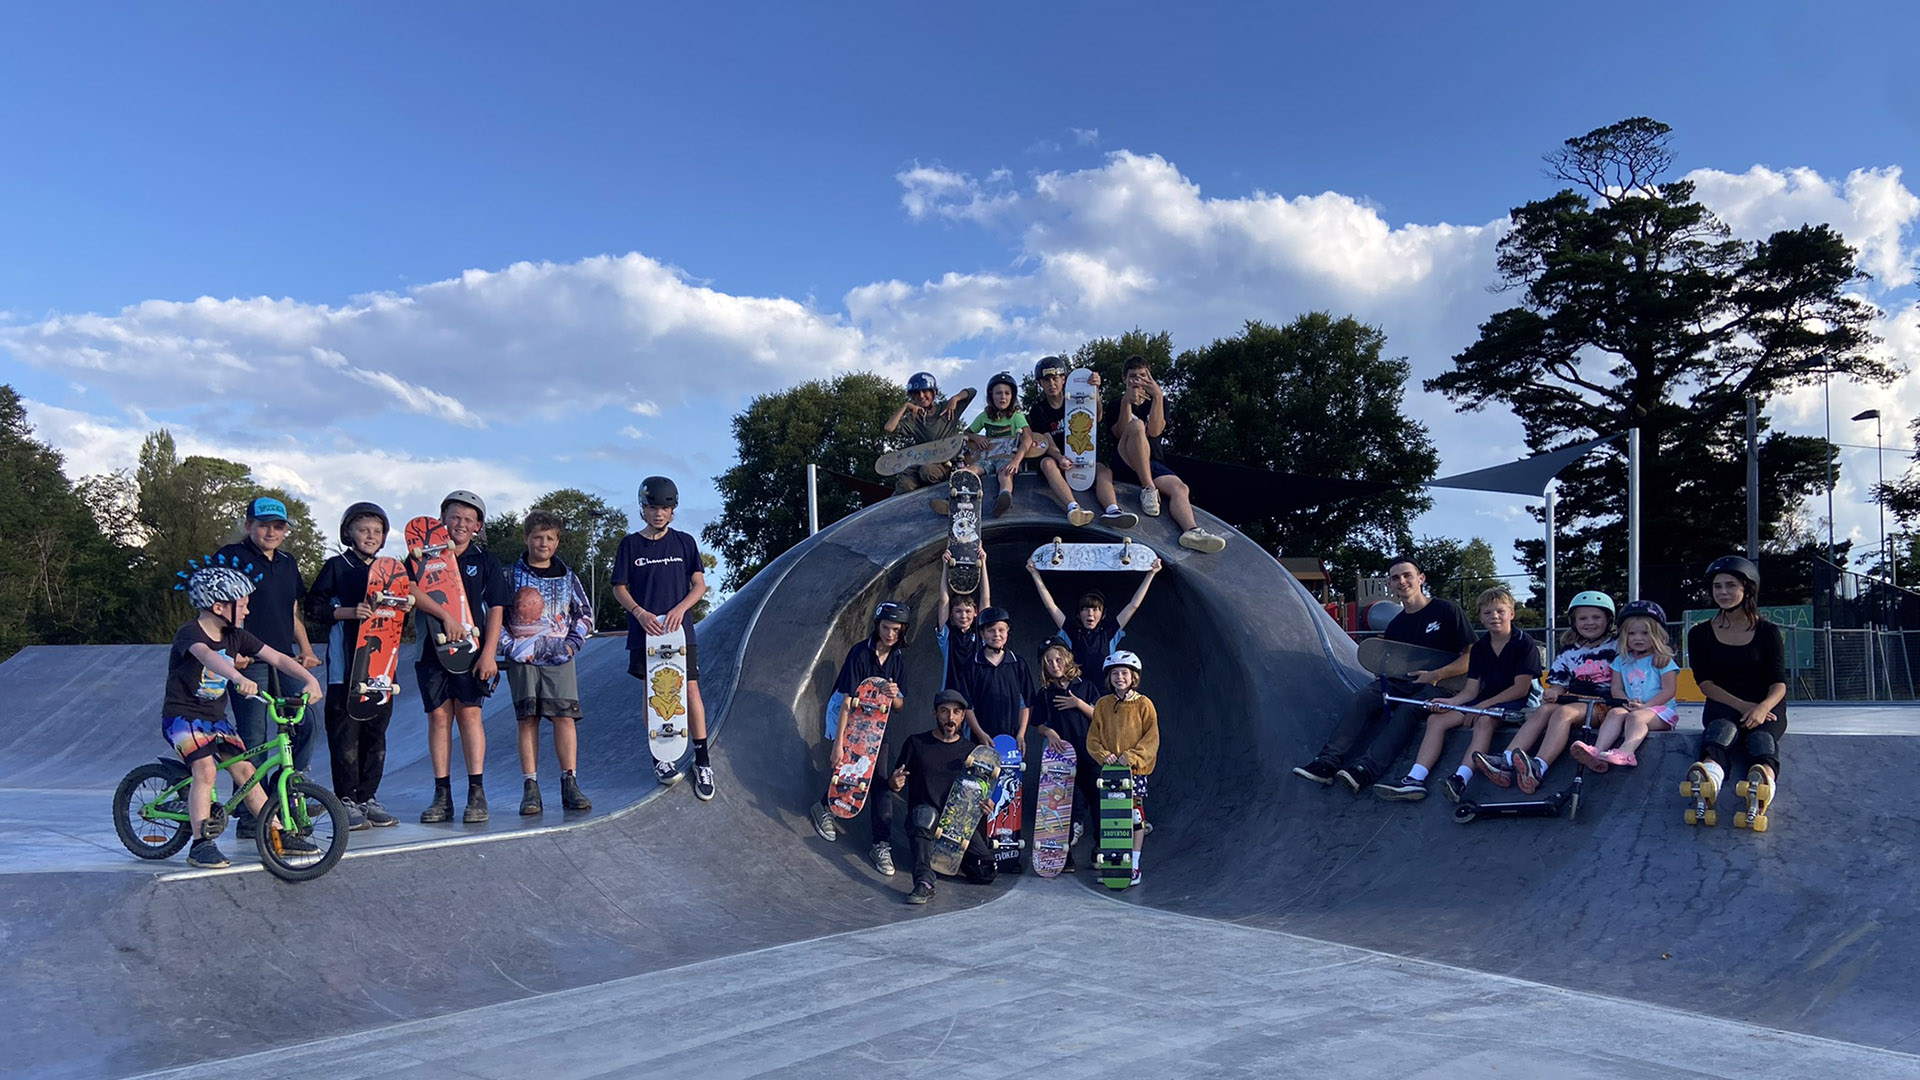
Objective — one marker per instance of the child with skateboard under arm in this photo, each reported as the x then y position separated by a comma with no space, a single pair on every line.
358,748
1582,670
657,578
881,655
193,713
959,633
449,697
1501,668
1092,636
1646,678
1047,419
1061,708
1126,728
547,625
925,418
1002,419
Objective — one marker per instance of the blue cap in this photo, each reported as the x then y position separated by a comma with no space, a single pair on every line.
266,508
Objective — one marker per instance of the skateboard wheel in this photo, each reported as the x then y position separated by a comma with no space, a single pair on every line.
439,639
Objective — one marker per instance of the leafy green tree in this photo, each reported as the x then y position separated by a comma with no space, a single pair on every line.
837,425
588,543
1316,397
1457,571
1638,309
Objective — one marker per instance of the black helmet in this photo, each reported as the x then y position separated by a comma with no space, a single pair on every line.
1006,379
1643,607
1738,567
1054,642
991,615
659,491
360,510
923,380
1049,365
892,611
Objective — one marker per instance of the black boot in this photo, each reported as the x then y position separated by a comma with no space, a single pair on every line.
571,797
476,805
530,799
441,809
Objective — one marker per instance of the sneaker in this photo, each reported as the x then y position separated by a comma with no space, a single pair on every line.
1454,787
703,782
1319,770
1079,829
823,823
1357,778
571,797
441,809
667,772
377,815
476,806
244,826
292,843
206,855
1119,519
1201,540
882,855
1622,758
1079,516
1528,772
1150,501
1587,756
1407,790
356,818
1494,768
1134,880
1002,501
941,507
922,892
530,803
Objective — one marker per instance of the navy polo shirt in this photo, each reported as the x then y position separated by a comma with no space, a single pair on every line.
997,692
486,585
1091,647
270,608
863,663
1069,723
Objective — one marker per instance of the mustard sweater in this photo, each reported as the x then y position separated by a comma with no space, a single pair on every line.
1129,728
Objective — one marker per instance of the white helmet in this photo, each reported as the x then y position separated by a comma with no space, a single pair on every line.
1121,658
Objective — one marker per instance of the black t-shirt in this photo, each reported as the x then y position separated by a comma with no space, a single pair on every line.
486,585
1439,625
1048,420
270,607
1144,411
1092,647
1745,671
997,692
192,690
1069,723
659,574
932,767
863,662
1497,672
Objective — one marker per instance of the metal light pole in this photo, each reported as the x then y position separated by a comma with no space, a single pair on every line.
593,577
1880,452
1826,389
1753,482
813,499
1553,600
1633,513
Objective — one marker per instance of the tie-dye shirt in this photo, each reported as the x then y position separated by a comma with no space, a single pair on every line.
548,618
1585,669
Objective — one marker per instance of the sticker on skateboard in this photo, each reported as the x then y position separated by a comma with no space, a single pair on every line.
938,452
963,533
1114,860
1125,555
1053,810
667,696
859,748
1077,434
370,683
1399,660
967,804
1008,802
437,577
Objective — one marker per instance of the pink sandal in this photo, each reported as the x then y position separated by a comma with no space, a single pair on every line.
1620,757
1592,759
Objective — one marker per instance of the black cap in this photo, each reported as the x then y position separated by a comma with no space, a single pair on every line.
950,697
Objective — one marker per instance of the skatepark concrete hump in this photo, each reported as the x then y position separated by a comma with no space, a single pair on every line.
118,966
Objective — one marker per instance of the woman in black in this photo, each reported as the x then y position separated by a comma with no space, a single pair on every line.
1740,662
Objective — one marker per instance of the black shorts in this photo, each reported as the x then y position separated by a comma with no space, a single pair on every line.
439,686
637,664
1123,473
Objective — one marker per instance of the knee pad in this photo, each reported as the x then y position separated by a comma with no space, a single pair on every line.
1721,733
1762,745
923,821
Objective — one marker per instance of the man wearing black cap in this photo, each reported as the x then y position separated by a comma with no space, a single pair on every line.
995,682
929,764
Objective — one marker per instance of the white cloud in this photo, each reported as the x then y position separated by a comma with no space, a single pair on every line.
1873,209
1085,136
644,408
631,432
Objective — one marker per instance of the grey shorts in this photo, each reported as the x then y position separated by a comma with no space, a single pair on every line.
543,691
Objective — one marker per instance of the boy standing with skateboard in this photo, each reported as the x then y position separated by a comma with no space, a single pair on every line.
929,764
881,655
358,748
448,697
658,577
924,418
547,623
1138,423
1092,636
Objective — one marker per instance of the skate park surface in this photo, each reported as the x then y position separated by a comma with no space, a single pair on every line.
1283,928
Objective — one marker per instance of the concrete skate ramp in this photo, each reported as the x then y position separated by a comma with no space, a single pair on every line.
1808,927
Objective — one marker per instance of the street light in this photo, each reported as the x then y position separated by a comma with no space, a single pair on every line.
1880,452
593,577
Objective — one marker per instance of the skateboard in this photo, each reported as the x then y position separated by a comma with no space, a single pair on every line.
967,802
439,579
1079,439
1114,860
1008,802
1125,555
667,696
370,681
1699,791
866,730
963,577
940,451
1398,660
1758,789
1053,811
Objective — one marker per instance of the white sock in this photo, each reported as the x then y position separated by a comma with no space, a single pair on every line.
1113,508
1464,772
1136,860
1418,772
1072,506
534,776
1714,770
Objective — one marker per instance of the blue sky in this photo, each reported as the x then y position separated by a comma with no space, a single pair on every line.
785,191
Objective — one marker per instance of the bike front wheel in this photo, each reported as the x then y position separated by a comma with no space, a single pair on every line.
315,839
147,837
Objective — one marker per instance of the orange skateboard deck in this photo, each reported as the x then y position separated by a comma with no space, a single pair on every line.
438,578
370,684
860,748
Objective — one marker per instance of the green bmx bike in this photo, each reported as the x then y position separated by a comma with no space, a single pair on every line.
150,805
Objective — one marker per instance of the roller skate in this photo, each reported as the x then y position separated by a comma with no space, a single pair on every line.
1758,789
1699,789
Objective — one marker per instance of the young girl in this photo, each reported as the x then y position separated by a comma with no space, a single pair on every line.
1583,669
1644,676
1062,709
1002,419
1126,728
